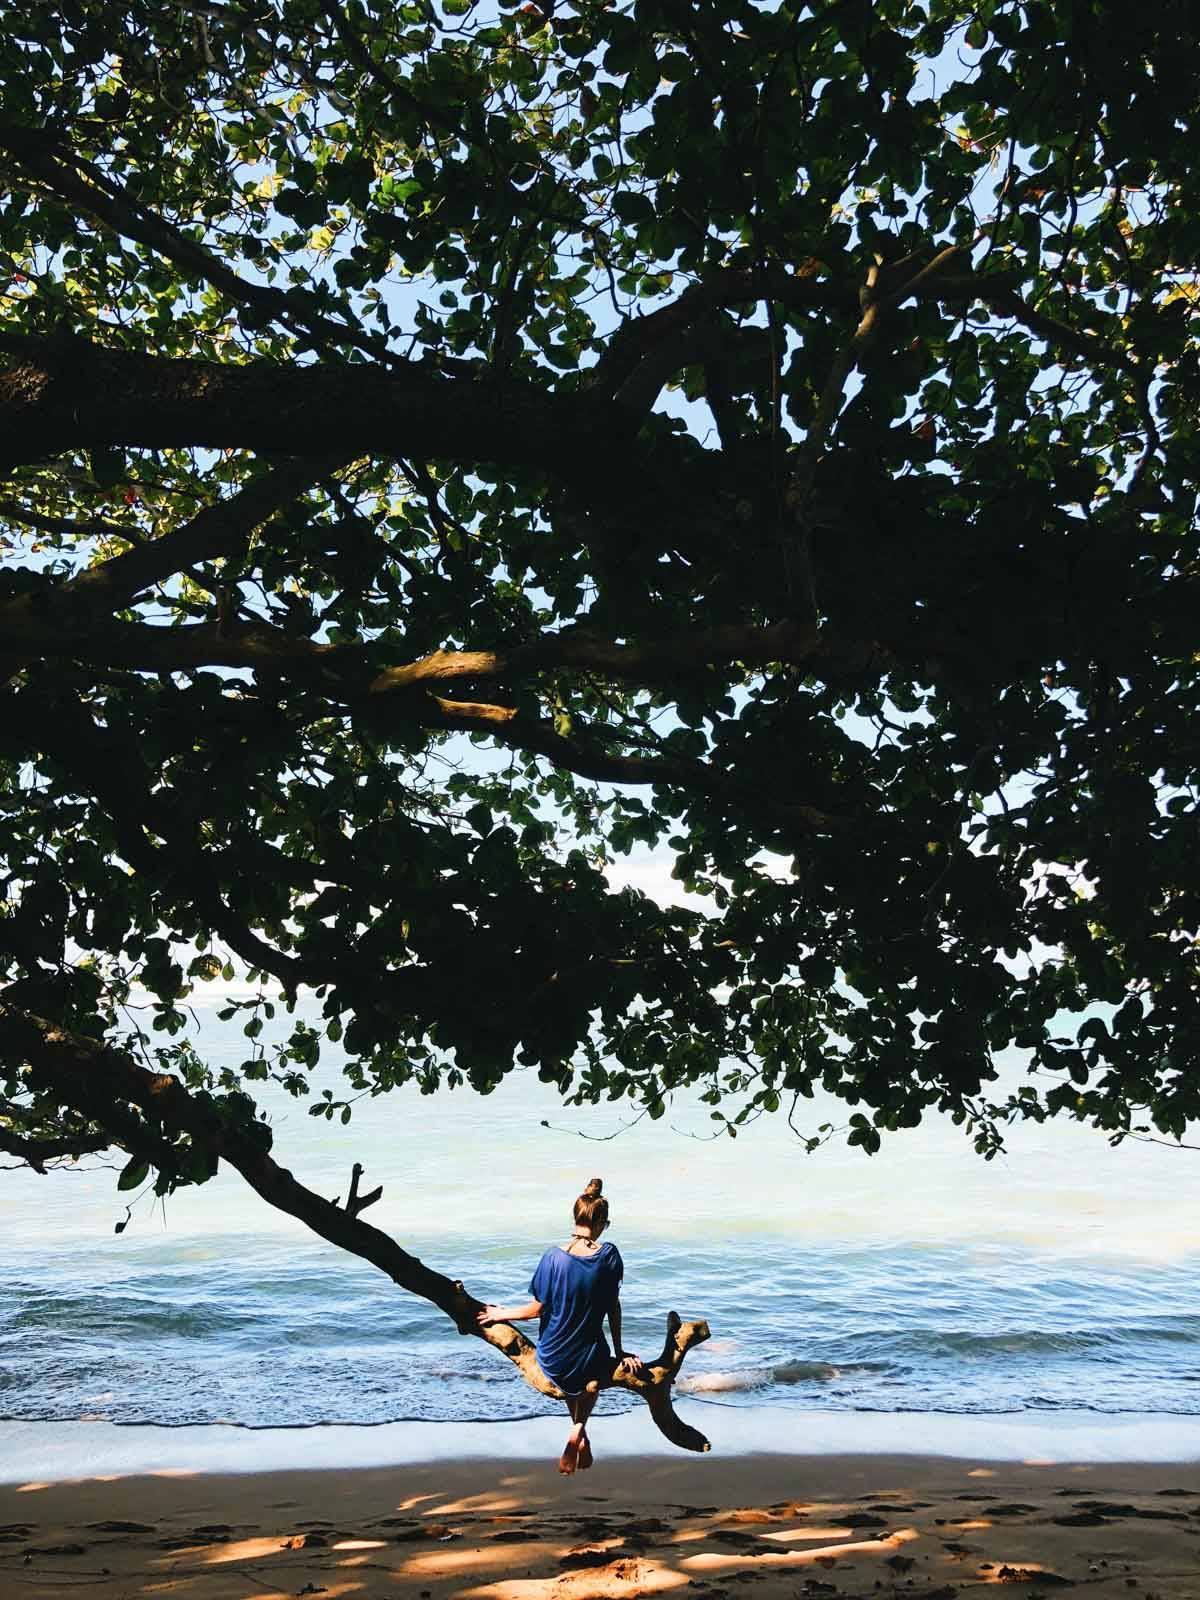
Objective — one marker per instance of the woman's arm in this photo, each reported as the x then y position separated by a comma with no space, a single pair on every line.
614,1321
491,1314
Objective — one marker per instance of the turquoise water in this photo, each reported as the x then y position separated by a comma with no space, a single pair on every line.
921,1280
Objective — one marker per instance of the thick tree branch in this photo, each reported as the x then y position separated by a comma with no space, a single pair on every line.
91,1076
583,754
30,625
61,394
649,662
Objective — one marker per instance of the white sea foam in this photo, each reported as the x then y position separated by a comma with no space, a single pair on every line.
757,1377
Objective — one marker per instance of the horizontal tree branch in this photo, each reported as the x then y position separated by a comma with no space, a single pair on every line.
589,759
37,1150
80,527
1059,335
30,625
673,656
219,530
90,1076
341,686
64,393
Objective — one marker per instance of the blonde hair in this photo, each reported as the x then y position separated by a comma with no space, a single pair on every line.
591,1208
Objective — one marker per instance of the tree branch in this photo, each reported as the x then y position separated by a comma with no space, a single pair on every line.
639,359
29,625
35,1152
91,1076
356,1203
582,755
65,393
1056,333
673,656
221,529
83,527
86,189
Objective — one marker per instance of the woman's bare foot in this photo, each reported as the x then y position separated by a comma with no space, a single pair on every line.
585,1453
569,1459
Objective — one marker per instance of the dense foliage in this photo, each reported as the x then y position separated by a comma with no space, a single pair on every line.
448,447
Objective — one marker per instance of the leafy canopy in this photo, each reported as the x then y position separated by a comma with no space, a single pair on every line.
447,448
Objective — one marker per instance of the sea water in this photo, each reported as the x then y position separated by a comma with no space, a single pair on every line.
1060,1278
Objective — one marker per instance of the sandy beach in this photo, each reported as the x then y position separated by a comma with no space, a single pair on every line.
787,1526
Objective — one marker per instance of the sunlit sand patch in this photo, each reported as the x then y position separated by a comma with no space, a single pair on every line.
710,1561
971,1526
471,1502
104,1477
981,1472
621,1580
241,1550
795,1535
414,1501
447,1563
360,1544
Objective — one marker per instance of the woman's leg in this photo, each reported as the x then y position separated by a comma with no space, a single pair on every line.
580,1406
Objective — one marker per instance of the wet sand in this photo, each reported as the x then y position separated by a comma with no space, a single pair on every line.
774,1527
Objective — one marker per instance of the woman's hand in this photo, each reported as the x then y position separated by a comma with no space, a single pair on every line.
490,1315
632,1366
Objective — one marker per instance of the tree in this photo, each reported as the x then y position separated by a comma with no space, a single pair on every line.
446,447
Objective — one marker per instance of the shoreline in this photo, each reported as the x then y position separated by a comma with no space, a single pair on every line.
55,1452
797,1526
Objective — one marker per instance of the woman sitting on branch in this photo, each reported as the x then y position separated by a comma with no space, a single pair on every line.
574,1287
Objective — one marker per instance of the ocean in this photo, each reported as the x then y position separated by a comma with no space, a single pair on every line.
1059,1279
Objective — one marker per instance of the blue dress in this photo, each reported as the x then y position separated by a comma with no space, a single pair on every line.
577,1293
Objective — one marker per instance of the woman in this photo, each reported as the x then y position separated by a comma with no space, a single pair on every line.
576,1285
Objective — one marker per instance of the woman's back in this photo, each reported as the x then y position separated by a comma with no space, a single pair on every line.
577,1291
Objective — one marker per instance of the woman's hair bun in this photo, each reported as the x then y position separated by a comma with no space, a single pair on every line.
594,1187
